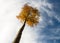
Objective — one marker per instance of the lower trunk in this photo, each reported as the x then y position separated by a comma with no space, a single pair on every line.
17,40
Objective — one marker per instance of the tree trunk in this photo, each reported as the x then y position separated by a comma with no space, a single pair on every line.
18,38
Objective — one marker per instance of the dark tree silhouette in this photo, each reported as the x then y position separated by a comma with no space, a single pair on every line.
30,16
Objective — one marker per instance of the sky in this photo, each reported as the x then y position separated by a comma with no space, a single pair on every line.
47,30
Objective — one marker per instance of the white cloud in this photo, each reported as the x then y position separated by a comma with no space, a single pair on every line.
8,22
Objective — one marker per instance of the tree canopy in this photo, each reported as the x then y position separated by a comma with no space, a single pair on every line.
29,14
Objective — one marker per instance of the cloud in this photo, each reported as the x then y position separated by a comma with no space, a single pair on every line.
50,20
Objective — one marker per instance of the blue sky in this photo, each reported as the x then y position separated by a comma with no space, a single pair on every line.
47,30
51,30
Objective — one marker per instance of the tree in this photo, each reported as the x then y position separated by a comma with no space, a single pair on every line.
28,15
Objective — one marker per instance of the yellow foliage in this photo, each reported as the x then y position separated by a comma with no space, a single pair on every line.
30,14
